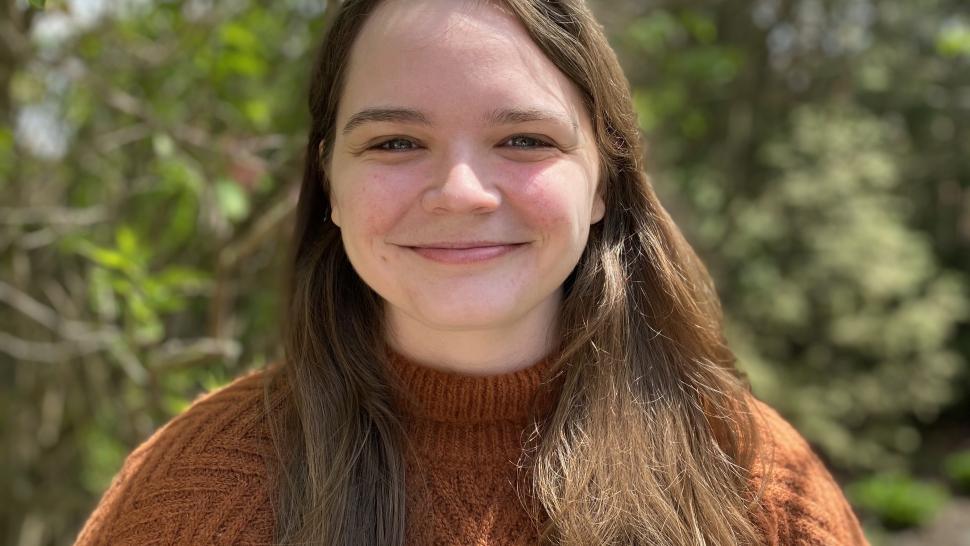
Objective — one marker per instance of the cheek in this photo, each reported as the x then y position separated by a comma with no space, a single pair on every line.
373,202
553,199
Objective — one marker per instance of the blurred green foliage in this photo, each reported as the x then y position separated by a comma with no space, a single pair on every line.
813,151
899,501
957,467
834,224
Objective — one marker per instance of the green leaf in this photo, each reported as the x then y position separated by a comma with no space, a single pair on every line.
178,172
183,220
149,333
238,36
182,277
39,4
954,41
127,241
106,257
163,145
147,326
242,64
101,294
258,112
121,285
162,297
233,201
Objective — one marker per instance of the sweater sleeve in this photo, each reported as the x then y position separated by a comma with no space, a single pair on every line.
197,480
802,503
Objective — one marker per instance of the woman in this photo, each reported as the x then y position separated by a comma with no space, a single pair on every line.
495,333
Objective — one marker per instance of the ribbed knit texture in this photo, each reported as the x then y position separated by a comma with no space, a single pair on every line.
466,433
200,479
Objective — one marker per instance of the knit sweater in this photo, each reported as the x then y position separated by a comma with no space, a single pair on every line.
201,479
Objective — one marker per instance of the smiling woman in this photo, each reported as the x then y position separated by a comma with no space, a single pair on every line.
495,334
461,190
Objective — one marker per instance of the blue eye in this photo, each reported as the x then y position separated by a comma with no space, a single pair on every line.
529,142
395,145
400,144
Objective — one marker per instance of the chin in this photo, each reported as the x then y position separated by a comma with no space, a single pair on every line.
465,316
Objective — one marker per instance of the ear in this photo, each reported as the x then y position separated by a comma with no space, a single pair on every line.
599,209
334,214
321,162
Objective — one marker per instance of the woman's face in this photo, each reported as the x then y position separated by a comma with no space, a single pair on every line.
464,169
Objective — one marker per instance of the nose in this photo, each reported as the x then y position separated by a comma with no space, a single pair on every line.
460,189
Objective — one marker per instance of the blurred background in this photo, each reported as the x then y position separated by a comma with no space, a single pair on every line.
815,152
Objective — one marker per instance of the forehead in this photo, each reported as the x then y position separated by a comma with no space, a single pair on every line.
457,59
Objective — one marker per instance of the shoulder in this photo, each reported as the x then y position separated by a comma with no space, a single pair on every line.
801,501
201,478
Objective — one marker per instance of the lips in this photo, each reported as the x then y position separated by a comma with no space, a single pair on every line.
463,253
462,244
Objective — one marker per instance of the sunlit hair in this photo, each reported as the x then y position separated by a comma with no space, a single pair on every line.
651,440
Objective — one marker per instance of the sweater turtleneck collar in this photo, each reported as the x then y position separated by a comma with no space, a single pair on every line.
447,397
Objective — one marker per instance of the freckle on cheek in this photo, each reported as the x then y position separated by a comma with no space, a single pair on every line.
546,202
549,212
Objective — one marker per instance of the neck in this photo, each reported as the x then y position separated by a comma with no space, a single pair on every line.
476,351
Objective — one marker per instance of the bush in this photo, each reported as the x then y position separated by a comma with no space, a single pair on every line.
897,500
957,468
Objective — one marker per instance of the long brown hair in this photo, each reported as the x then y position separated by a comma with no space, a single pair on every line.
651,439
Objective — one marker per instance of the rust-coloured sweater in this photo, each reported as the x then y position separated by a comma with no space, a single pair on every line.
200,479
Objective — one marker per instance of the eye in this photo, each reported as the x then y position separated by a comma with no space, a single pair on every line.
526,142
396,145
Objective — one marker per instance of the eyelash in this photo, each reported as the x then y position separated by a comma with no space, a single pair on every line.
540,143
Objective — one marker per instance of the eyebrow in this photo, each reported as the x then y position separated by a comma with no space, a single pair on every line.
371,115
509,116
500,116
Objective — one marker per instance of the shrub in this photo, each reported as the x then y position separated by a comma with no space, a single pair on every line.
957,469
897,500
